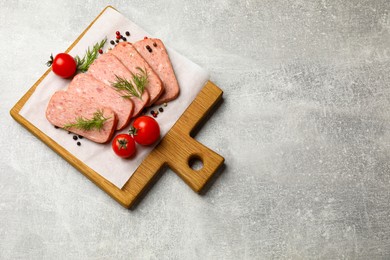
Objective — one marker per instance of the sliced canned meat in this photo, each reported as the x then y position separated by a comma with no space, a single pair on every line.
154,52
129,56
88,87
106,69
64,108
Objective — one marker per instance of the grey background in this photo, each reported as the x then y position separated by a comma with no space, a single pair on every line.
304,128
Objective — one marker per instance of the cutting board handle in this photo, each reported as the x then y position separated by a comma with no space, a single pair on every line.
183,148
188,150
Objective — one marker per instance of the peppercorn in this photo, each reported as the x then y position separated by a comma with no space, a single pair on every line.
101,51
118,37
148,48
117,41
117,33
145,37
56,127
75,137
154,115
152,112
161,109
78,143
127,33
80,136
155,44
165,104
112,42
124,39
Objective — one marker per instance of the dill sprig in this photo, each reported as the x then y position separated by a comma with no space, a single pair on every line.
134,88
90,55
82,123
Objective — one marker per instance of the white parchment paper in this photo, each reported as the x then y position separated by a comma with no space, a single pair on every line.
100,157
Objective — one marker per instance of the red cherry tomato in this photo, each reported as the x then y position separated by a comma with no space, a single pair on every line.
146,130
123,145
64,65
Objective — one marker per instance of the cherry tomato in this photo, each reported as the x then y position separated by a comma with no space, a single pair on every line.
63,65
146,130
123,145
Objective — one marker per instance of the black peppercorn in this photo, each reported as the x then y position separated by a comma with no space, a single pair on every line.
78,143
112,42
155,44
127,33
75,137
161,109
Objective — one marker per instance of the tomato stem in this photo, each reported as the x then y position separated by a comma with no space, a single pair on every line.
133,131
50,62
122,143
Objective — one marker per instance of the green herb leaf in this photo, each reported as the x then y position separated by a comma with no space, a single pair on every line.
90,55
134,88
97,122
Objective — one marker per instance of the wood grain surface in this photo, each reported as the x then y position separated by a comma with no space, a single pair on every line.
175,150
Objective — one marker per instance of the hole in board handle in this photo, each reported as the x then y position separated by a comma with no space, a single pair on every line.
195,162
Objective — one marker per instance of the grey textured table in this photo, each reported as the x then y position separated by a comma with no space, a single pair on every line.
304,128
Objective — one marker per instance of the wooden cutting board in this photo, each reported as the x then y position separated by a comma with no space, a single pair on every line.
176,150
